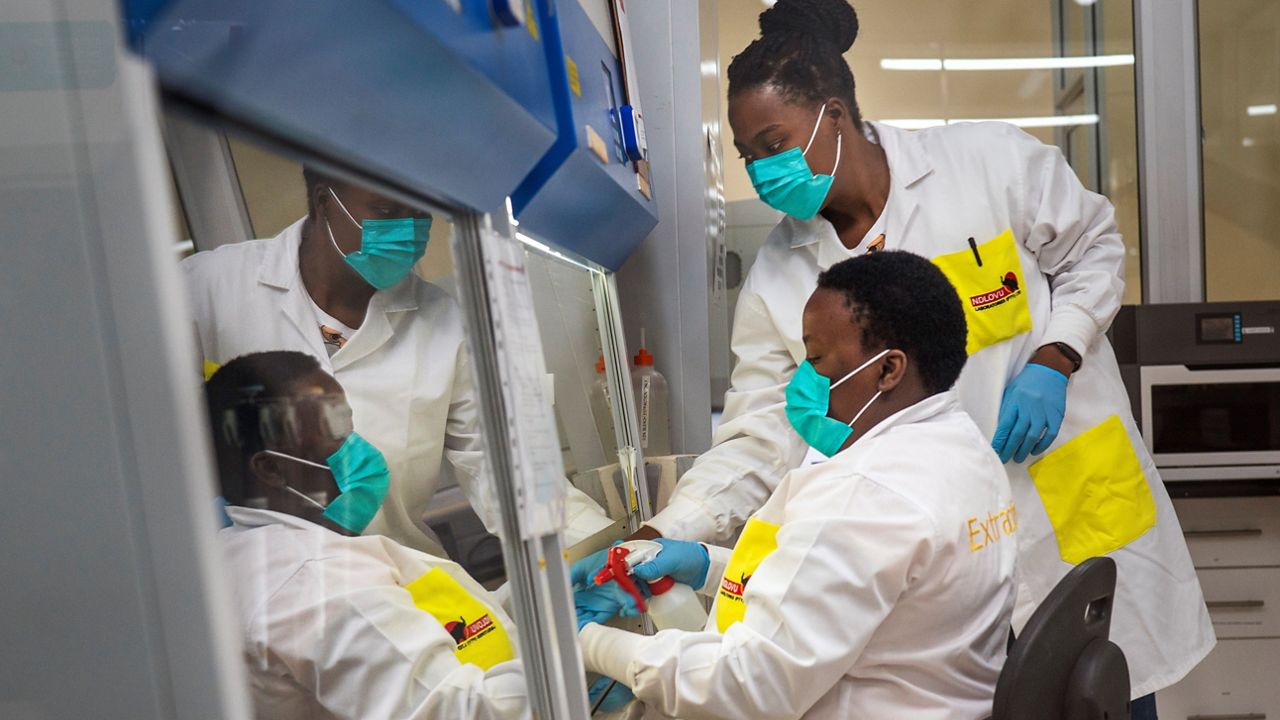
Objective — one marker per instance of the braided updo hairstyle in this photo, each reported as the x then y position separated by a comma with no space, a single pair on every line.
800,52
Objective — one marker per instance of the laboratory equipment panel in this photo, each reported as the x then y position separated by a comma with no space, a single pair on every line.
591,193
407,91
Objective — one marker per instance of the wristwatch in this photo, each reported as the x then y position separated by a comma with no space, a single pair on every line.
1069,354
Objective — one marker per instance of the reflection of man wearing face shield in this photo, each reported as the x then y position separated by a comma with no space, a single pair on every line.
338,285
338,625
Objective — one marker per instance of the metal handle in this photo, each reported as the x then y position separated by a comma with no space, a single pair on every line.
1240,532
1235,604
1230,716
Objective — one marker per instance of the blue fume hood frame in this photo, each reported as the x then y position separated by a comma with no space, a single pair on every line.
574,198
433,95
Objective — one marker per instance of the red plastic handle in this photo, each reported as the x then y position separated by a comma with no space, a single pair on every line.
615,569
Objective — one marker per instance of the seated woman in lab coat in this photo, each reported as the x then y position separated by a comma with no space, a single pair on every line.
338,285
336,625
877,584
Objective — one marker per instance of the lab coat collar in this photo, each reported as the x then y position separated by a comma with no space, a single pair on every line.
280,270
247,517
908,165
926,409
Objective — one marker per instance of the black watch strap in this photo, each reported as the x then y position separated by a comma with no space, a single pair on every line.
1070,354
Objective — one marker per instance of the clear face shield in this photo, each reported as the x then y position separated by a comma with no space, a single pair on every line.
290,427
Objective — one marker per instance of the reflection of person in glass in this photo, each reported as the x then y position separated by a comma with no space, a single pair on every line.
338,285
982,200
337,625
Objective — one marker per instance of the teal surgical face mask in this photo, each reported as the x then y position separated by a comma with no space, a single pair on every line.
388,248
809,400
785,182
362,477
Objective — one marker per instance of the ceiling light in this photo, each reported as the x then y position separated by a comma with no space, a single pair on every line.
1023,122
1046,63
1258,110
911,64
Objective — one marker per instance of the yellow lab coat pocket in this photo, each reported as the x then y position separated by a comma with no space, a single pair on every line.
1095,492
992,289
758,540
480,638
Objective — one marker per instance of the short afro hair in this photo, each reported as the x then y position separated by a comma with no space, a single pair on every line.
902,301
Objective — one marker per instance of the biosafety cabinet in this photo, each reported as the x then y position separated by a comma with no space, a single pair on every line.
149,130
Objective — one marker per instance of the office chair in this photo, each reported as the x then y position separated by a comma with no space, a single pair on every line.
1062,666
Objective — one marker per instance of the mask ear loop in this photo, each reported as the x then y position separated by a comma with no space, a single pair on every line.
814,135
329,229
305,497
860,368
856,370
344,209
811,136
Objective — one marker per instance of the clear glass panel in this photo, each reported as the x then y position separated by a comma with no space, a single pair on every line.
1239,95
565,305
1103,151
344,417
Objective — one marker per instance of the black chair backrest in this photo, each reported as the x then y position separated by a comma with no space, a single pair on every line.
1062,666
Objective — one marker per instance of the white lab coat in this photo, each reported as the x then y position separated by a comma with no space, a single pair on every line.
885,597
330,631
404,371
948,185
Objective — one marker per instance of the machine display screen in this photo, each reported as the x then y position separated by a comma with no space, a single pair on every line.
1218,328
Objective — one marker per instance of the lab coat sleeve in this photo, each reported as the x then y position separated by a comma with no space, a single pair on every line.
719,557
1072,233
196,279
753,448
811,608
364,651
465,452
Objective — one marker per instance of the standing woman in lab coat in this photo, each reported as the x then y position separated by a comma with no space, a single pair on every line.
1038,263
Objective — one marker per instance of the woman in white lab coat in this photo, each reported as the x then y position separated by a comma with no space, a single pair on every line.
338,285
1038,264
878,584
334,624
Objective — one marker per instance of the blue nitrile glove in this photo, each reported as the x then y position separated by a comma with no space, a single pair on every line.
602,603
685,562
582,574
618,696
1031,412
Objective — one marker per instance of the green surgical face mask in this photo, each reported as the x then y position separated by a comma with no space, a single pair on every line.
785,182
388,248
362,477
809,401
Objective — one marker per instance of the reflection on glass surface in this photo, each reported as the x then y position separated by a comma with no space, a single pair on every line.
1103,150
565,306
346,429
1239,95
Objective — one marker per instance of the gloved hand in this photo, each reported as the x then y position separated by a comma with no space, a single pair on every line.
1031,413
601,603
582,574
619,695
685,562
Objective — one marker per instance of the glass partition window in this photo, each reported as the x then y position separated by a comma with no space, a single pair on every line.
922,63
357,507
1239,95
